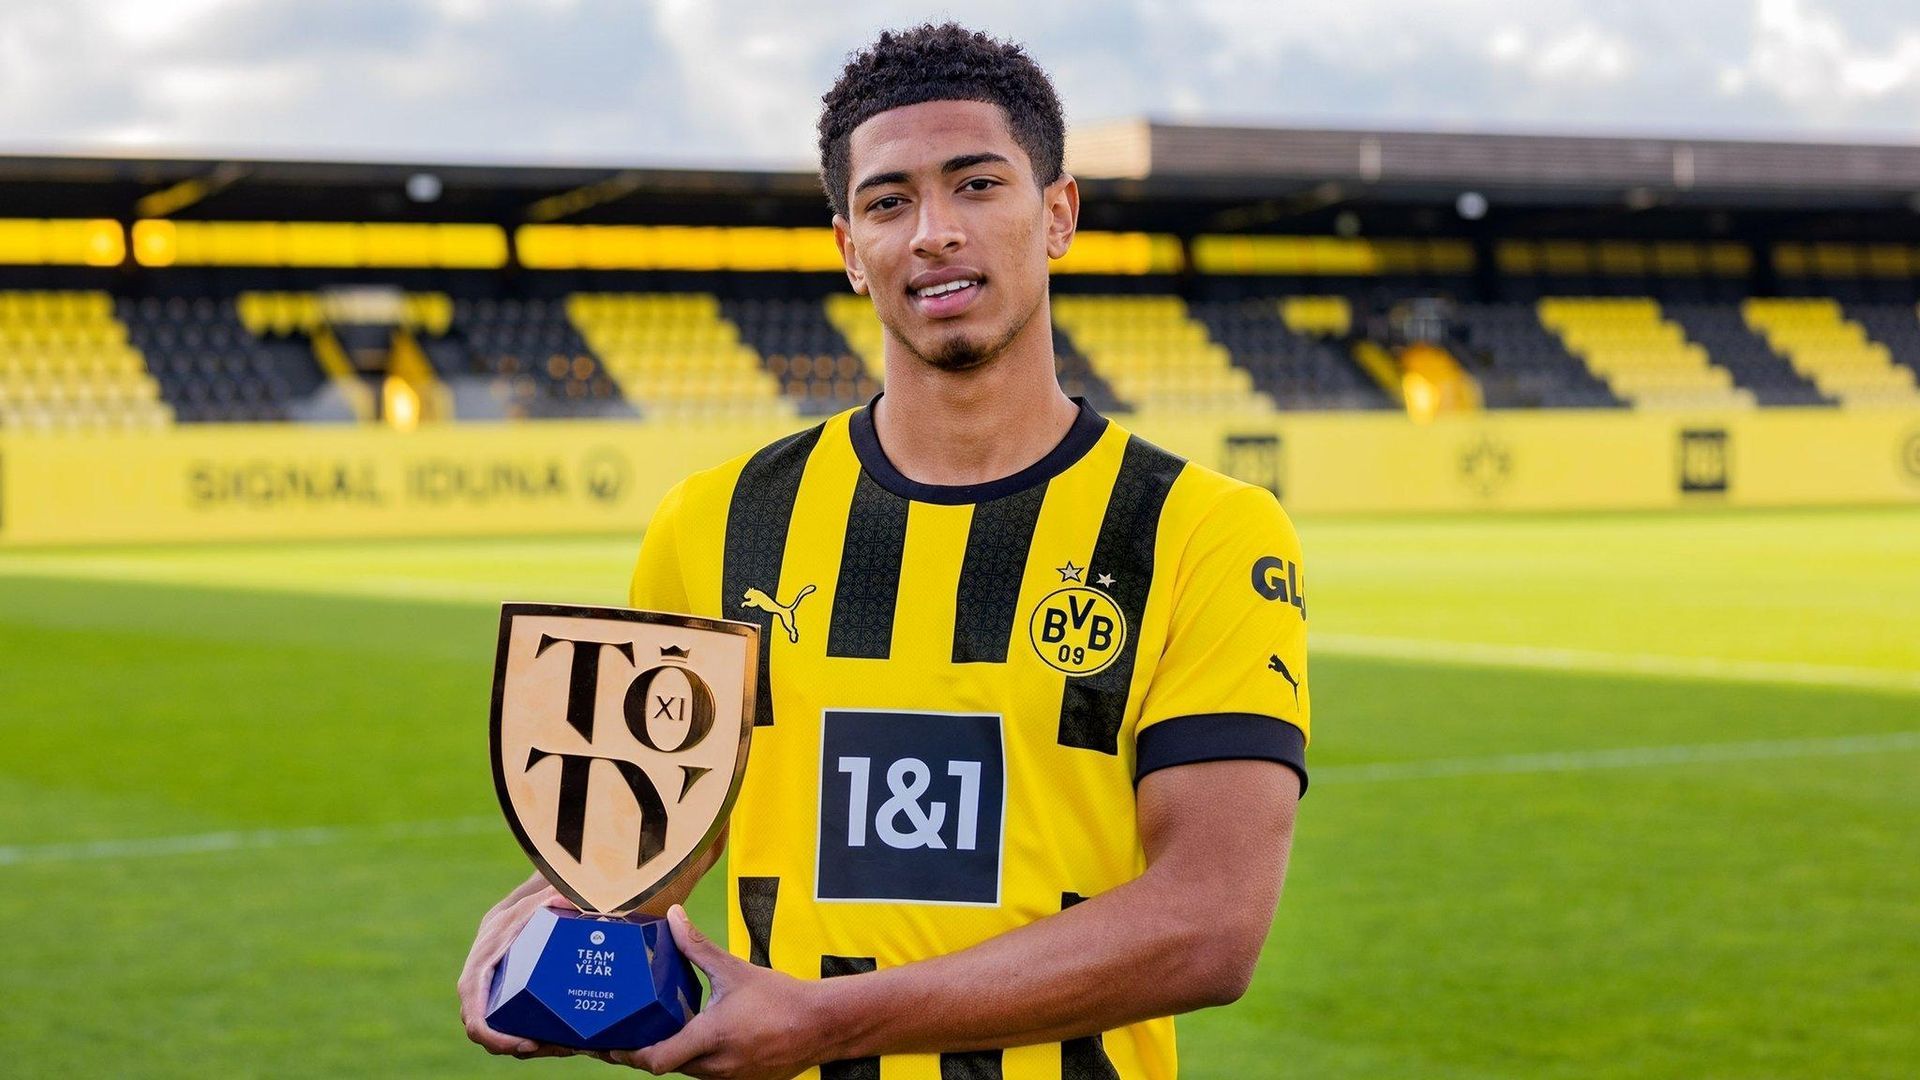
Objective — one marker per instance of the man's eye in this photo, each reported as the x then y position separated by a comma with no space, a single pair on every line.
979,183
885,202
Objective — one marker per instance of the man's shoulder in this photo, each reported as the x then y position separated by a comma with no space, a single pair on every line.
763,472
1204,499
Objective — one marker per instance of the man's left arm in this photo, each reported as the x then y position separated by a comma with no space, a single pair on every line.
1184,935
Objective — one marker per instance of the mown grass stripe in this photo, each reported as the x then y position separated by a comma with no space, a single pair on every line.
138,847
1715,669
1622,758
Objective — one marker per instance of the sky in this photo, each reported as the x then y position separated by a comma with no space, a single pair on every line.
738,82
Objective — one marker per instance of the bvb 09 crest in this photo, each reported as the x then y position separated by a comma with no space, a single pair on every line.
1078,628
619,741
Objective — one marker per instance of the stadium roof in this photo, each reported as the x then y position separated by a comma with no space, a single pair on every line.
1138,175
1543,166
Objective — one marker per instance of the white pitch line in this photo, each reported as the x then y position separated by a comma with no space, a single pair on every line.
1622,758
1660,664
1498,764
239,840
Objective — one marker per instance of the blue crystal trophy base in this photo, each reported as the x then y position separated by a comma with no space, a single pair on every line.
593,982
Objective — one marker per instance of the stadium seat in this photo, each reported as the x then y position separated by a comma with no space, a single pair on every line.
1519,363
1645,358
798,340
673,355
228,360
1155,356
519,358
66,364
1832,351
1290,347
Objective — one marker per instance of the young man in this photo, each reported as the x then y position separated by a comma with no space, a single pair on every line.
1024,774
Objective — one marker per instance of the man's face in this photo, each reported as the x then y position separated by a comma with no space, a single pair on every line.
948,231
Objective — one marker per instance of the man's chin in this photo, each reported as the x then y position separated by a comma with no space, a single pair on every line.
959,355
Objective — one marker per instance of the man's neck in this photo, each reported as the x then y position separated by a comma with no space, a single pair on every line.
974,427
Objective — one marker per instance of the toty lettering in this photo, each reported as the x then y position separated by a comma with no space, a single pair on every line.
583,682
570,824
646,699
698,718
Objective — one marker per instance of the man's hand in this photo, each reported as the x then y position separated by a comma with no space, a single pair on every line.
497,931
758,1025
502,924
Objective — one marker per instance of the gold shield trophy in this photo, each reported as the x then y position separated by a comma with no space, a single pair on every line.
619,742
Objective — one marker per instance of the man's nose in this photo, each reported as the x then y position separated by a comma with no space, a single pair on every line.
939,232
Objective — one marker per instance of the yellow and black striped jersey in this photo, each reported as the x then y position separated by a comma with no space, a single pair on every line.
963,685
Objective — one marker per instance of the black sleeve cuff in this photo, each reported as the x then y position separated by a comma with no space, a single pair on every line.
1185,740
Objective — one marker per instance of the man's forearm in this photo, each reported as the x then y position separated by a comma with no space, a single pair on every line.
1141,950
1184,935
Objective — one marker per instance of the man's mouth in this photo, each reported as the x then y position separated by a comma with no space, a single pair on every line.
948,298
944,288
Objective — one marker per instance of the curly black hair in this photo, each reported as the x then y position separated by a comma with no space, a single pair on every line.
940,63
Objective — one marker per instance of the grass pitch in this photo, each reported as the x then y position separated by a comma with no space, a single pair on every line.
247,826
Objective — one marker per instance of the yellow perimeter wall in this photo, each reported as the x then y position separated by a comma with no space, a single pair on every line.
285,481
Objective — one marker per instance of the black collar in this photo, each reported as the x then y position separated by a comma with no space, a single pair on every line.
1086,430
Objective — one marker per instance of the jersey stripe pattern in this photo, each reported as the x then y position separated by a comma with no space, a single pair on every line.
962,688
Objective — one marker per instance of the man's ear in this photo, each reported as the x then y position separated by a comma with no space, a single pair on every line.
1062,199
849,255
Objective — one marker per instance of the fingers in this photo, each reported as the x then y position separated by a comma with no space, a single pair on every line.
499,1043
697,1038
694,945
497,932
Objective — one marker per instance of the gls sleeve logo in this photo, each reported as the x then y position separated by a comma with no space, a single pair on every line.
911,805
1279,579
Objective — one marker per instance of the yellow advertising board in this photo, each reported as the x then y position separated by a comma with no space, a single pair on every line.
288,481
1562,459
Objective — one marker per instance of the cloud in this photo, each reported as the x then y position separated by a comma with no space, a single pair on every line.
691,82
1808,58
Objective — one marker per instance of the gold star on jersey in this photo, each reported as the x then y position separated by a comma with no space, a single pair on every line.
950,732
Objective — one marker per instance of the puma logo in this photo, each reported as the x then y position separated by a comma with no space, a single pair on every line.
783,612
1274,663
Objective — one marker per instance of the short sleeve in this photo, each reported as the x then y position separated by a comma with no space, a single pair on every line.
659,583
1231,682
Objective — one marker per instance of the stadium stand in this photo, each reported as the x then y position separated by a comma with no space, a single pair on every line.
673,355
213,367
1217,269
1743,352
1519,363
819,371
1831,351
1644,358
65,362
1154,354
1294,349
523,359
1897,326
